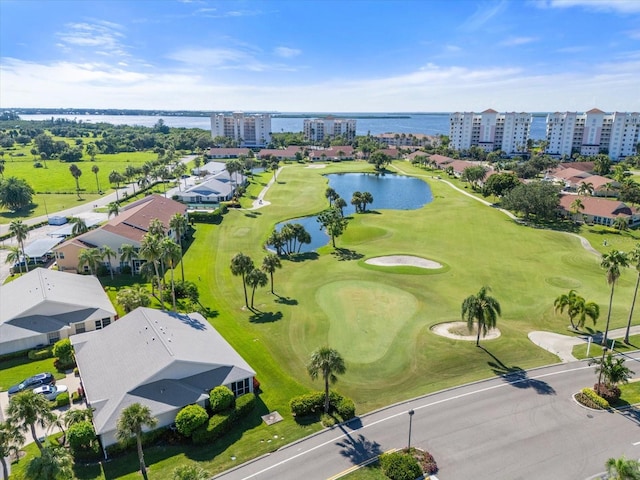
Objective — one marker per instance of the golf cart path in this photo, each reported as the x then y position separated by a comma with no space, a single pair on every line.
260,201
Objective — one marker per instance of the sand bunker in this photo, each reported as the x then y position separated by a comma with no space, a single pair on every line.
316,165
454,329
403,260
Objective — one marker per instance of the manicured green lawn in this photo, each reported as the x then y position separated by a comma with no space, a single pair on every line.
17,369
369,472
630,393
595,351
378,319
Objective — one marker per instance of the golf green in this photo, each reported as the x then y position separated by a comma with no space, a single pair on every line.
375,313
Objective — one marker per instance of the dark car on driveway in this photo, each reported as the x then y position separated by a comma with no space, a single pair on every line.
33,382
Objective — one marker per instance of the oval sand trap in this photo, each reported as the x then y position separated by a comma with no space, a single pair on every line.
403,260
453,329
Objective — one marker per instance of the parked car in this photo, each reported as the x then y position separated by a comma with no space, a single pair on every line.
50,392
33,382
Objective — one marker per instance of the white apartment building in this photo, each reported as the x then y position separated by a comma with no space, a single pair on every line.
317,129
248,130
490,131
593,132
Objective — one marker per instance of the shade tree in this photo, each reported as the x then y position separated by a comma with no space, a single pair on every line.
481,309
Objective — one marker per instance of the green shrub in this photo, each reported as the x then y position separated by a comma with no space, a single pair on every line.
81,436
63,350
190,418
148,438
245,404
41,354
593,397
610,393
75,397
346,409
217,425
327,420
221,398
76,372
190,472
214,217
400,466
62,400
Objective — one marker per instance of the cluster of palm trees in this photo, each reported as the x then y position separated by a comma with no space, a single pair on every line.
290,239
242,266
578,309
20,231
27,410
360,200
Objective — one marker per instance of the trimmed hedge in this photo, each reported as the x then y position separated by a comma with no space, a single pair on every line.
593,400
221,399
312,404
148,438
400,466
190,418
222,422
41,354
62,400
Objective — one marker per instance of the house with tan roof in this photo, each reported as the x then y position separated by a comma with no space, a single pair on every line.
599,211
128,227
228,152
288,153
332,154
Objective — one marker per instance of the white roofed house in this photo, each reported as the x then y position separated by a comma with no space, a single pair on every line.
44,306
219,187
160,359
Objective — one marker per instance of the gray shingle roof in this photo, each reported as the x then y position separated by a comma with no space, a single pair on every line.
161,359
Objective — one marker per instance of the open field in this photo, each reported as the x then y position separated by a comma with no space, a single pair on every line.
379,319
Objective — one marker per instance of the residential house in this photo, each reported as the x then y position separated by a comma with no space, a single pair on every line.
228,152
160,359
128,227
600,211
331,154
213,189
44,306
288,153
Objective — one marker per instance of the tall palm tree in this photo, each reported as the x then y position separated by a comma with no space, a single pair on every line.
171,255
91,257
612,262
11,438
255,278
331,195
53,463
179,224
26,409
622,469
76,173
367,198
20,230
14,256
576,207
634,259
327,362
156,227
114,209
270,264
95,169
128,253
241,265
483,309
130,423
151,251
117,178
108,253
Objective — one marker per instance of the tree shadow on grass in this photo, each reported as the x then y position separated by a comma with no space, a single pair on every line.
265,317
358,449
344,254
286,300
301,257
252,214
518,377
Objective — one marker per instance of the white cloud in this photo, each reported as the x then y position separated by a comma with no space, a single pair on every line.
483,14
286,52
611,86
200,59
515,41
105,36
620,6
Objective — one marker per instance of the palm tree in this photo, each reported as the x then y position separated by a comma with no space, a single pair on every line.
577,206
612,262
583,310
76,173
117,178
130,423
255,278
171,255
366,198
634,259
14,256
10,440
622,469
91,257
79,226
26,409
21,232
331,195
340,203
612,370
114,209
327,362
482,309
585,188
270,264
133,297
178,223
151,251
127,254
241,265
95,169
108,253
566,300
621,223
156,227
53,463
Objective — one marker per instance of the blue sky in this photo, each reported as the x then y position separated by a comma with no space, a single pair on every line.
322,56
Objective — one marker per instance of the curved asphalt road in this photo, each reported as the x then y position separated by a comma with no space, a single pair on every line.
524,426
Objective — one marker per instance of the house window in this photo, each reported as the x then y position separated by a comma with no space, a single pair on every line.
241,387
80,328
98,324
106,321
60,255
53,337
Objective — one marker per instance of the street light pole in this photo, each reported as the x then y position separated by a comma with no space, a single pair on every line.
411,412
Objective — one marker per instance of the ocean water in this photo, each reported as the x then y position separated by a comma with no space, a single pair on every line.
426,123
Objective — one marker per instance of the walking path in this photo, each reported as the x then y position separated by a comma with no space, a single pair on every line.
260,201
